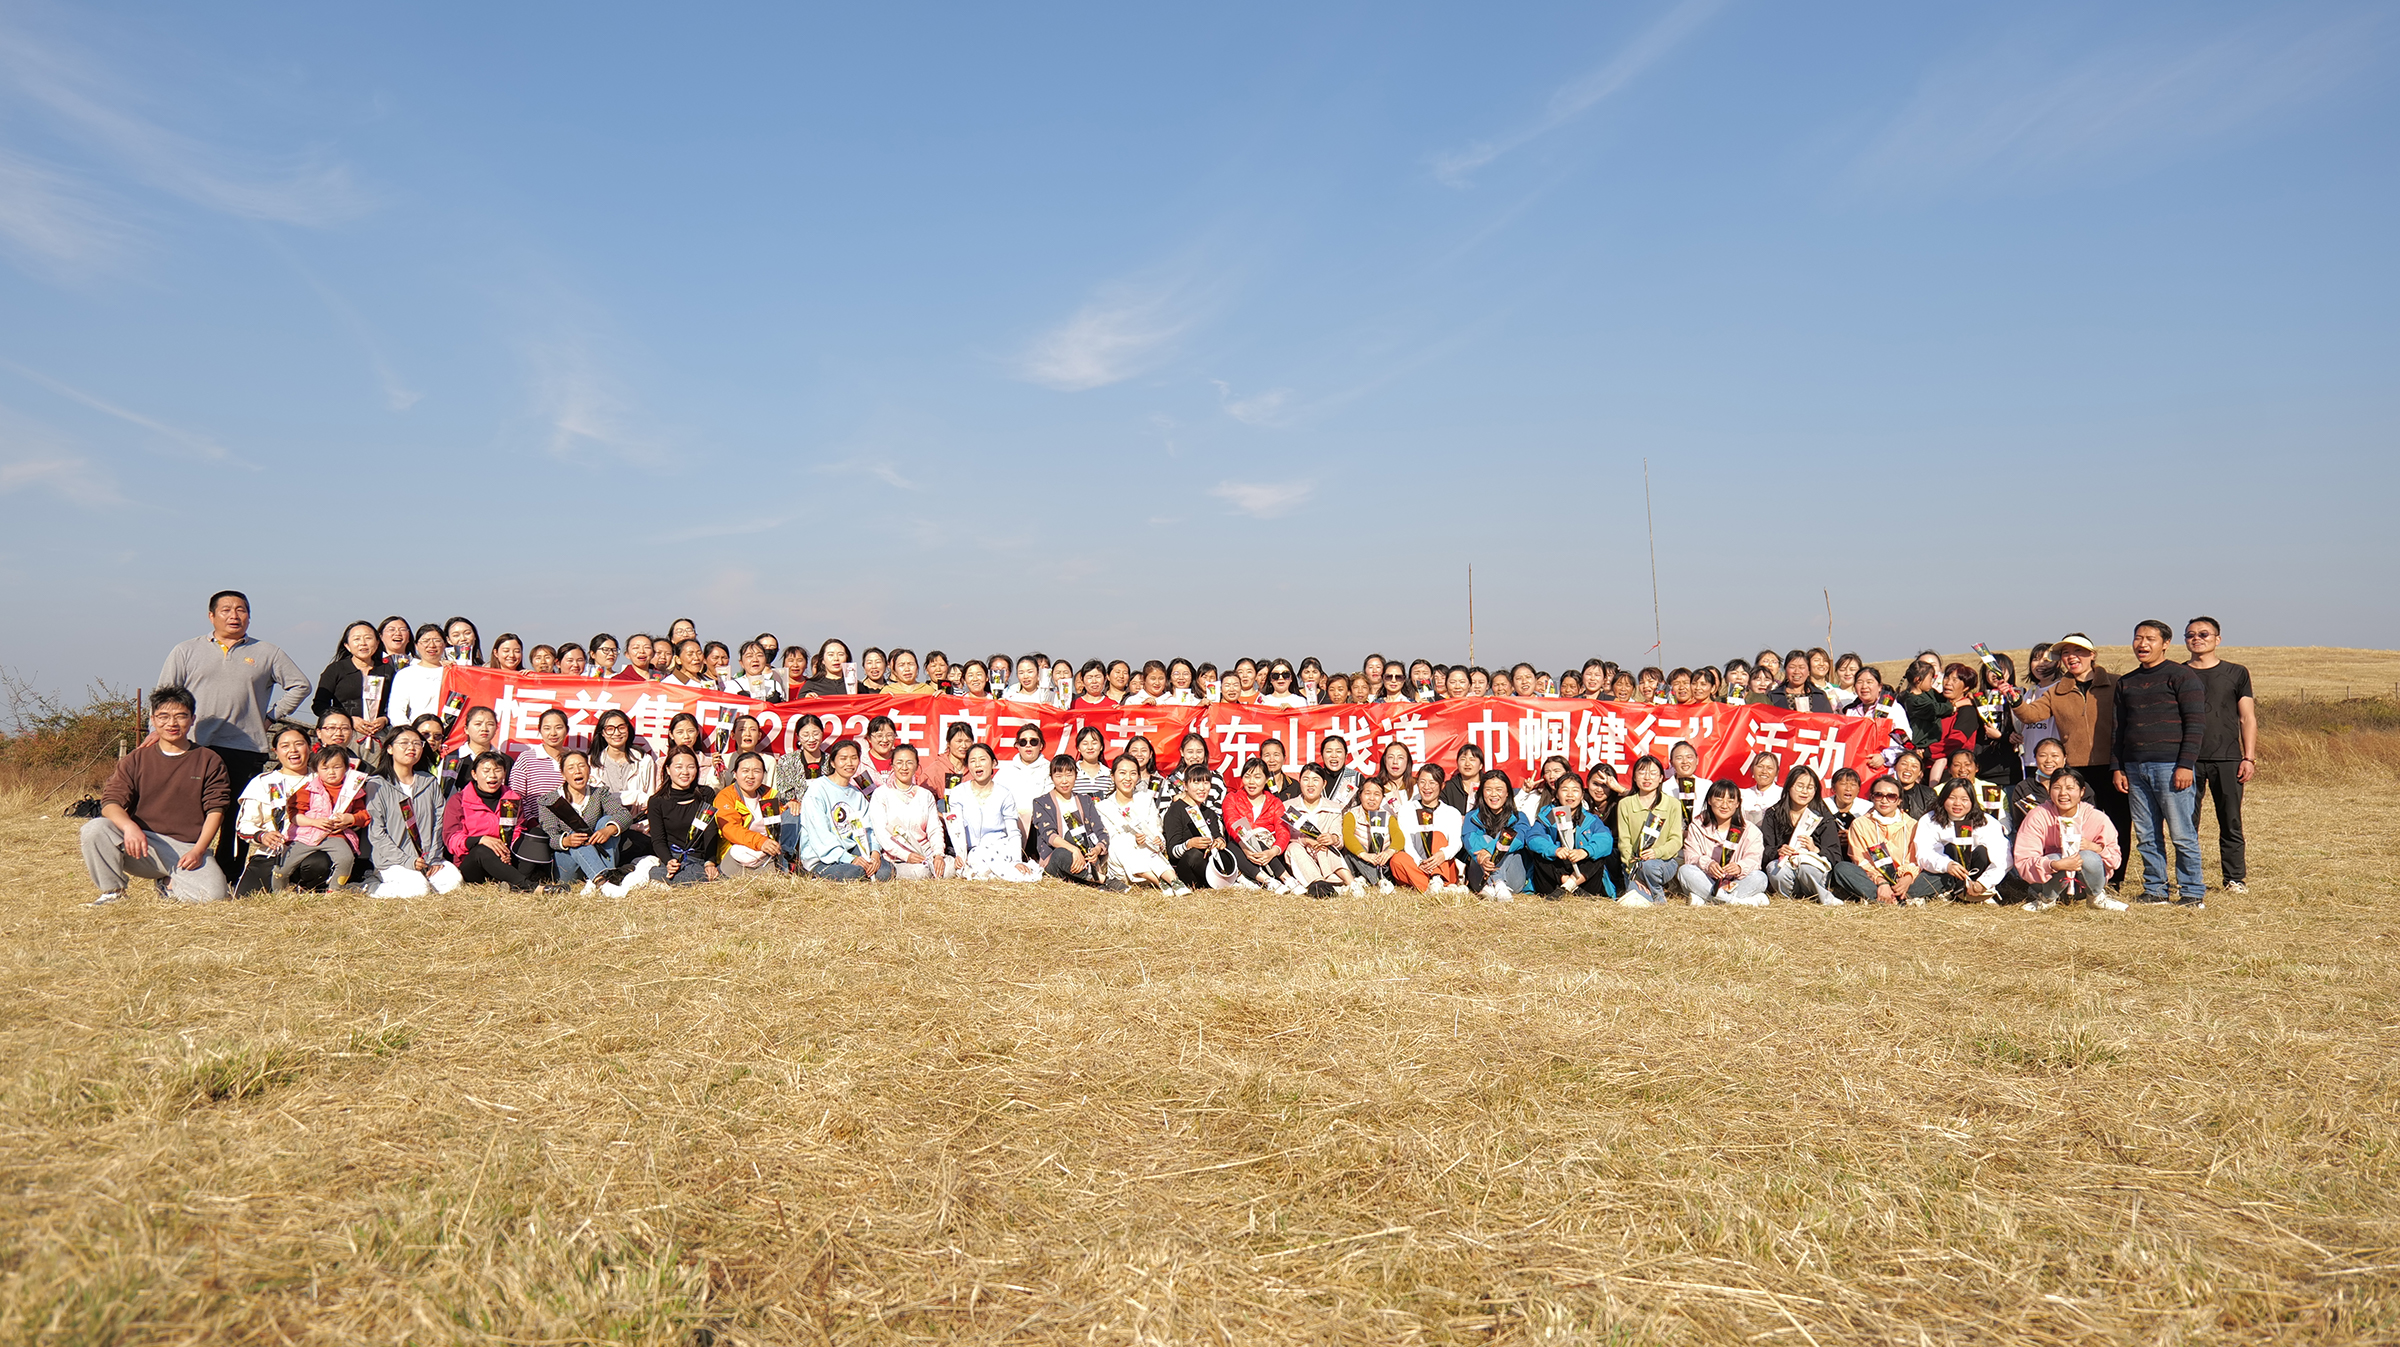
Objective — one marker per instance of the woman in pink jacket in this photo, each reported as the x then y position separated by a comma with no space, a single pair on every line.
1723,854
480,824
2066,848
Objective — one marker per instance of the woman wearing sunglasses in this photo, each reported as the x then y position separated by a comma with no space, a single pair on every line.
1283,688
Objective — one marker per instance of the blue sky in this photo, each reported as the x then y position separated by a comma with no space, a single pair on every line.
1238,330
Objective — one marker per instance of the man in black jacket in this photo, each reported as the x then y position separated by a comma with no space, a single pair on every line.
2161,714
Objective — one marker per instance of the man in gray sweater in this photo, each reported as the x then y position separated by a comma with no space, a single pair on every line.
240,684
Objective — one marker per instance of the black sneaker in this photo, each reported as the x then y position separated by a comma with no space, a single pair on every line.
2193,903
608,877
2154,900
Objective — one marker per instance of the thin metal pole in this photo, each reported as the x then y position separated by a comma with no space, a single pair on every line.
1658,627
1470,615
1828,619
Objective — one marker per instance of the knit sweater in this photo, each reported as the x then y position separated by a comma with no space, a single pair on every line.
2162,713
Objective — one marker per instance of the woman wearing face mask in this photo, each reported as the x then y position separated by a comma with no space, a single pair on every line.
480,824
683,822
2066,848
906,821
404,826
1567,845
1495,840
1801,839
1649,835
1137,845
1722,852
584,823
1962,854
983,824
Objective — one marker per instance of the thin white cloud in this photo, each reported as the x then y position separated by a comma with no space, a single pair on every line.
397,395
727,530
1259,409
35,457
881,469
581,407
54,224
2017,117
192,443
1580,96
1264,500
85,104
72,479
1113,338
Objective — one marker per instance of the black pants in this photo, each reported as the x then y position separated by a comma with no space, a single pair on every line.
240,765
1549,873
2223,780
482,867
1192,868
2117,806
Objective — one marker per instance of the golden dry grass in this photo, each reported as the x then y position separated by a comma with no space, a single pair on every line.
791,1113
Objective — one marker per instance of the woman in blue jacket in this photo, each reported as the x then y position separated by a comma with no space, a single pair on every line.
1571,858
835,842
1496,840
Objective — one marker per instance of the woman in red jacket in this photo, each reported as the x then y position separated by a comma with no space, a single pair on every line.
1254,820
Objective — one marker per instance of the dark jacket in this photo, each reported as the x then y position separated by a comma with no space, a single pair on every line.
1775,832
341,686
1048,825
2162,712
684,819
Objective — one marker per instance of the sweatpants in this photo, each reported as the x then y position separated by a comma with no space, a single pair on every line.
105,859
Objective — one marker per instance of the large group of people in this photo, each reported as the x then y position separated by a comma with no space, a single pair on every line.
1996,789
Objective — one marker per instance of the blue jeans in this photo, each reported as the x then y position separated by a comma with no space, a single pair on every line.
586,861
787,836
693,871
1651,878
843,872
2155,800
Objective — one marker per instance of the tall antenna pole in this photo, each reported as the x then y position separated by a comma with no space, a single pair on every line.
1658,627
1470,615
1828,619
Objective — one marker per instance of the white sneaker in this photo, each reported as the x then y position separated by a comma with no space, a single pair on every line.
1828,898
1633,900
1244,882
1699,900
1434,887
1751,900
105,899
1387,886
1358,887
2107,904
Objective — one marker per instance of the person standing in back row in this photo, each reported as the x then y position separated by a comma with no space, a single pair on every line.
240,684
2082,705
2228,747
2162,711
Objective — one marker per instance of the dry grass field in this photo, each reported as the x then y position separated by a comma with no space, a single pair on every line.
787,1112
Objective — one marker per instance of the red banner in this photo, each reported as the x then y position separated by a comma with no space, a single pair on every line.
1514,734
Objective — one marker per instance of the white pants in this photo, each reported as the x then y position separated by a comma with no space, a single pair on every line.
402,882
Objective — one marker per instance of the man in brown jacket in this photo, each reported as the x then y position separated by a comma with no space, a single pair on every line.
2083,703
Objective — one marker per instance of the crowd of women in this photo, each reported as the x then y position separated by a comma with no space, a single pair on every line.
1976,801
